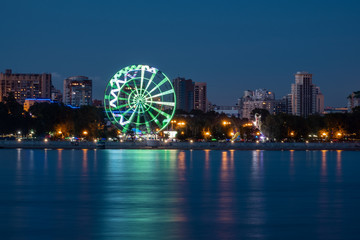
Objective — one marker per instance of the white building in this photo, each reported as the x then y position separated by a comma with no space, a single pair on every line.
306,98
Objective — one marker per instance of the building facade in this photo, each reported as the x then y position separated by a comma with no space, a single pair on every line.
25,85
259,98
228,110
306,98
77,91
56,95
184,91
200,96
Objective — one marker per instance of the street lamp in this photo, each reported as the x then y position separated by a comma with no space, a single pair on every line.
226,123
172,124
181,124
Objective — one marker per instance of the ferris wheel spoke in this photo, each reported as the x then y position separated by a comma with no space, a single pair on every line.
161,112
123,91
155,120
142,77
158,85
138,117
147,124
151,79
124,113
162,93
120,98
121,106
131,118
165,103
135,86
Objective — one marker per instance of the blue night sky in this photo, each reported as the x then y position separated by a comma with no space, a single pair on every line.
231,45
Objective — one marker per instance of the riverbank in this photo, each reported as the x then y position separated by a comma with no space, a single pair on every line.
180,145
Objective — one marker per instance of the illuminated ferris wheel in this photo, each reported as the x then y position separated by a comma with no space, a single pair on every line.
141,99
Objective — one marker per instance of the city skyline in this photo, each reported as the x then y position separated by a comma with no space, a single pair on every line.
234,46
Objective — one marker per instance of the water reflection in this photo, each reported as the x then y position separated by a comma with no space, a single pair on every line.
292,168
85,161
59,160
323,165
225,206
45,160
256,214
18,159
338,166
156,194
207,159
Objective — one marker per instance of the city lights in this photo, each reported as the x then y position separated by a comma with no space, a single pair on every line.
226,123
181,124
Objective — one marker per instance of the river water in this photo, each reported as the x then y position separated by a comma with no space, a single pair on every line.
174,194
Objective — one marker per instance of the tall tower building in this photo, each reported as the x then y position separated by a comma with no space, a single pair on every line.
200,96
77,91
306,98
25,85
184,91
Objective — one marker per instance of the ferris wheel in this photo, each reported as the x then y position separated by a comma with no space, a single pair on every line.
141,99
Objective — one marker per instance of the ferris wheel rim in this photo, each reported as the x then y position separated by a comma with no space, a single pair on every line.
147,105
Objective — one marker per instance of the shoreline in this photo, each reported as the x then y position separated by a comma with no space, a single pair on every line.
353,146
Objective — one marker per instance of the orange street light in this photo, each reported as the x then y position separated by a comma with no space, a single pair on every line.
85,132
226,123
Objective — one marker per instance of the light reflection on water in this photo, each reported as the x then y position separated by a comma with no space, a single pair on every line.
171,194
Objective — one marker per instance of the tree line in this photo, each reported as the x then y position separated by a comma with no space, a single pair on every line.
280,127
54,119
60,122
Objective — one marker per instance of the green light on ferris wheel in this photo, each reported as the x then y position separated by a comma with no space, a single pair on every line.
140,97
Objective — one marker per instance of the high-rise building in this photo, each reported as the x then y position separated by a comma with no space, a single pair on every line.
77,91
184,91
25,85
353,100
306,96
200,96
